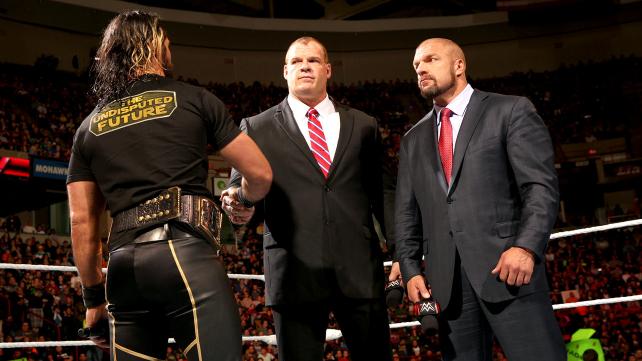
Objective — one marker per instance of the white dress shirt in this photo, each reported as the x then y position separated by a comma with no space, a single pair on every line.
328,117
458,107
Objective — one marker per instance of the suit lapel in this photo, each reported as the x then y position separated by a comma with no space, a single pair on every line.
346,125
473,114
285,119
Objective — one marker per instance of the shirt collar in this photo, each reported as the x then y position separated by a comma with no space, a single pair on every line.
459,104
325,107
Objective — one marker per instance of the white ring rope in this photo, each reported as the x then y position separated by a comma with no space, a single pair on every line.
606,227
602,301
45,344
331,334
239,276
559,306
40,267
266,339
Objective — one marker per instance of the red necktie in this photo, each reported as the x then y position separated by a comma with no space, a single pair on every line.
446,143
318,144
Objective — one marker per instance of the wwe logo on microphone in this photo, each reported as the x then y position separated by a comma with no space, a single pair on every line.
427,308
394,293
395,283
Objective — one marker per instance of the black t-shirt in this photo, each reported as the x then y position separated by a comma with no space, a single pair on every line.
153,138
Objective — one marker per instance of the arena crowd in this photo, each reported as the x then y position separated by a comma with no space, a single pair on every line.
40,109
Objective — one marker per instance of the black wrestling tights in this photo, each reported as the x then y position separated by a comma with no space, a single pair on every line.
171,289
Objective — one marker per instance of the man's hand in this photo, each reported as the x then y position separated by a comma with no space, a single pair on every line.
515,266
417,289
395,273
234,209
94,316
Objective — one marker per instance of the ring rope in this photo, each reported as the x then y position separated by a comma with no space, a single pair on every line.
40,267
574,232
267,339
606,227
331,334
597,302
559,306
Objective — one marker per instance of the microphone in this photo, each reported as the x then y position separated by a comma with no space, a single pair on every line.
100,330
99,334
427,310
394,293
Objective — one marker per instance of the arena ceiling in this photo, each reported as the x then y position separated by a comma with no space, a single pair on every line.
370,9
330,9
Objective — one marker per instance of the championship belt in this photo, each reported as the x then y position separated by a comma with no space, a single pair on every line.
202,213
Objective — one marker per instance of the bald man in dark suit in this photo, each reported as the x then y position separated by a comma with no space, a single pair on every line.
477,197
321,252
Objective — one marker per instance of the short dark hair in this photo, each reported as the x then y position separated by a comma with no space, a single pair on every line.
305,40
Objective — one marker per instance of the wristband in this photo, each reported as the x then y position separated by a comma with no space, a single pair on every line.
94,296
241,198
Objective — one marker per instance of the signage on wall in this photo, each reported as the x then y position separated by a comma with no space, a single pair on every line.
47,168
14,166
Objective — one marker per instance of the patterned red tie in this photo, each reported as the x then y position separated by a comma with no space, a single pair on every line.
318,144
446,143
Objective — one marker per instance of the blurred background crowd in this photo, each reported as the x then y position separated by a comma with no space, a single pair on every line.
40,109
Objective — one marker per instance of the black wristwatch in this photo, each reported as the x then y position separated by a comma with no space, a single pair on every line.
244,201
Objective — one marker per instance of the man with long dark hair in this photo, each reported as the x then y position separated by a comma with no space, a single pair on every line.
142,154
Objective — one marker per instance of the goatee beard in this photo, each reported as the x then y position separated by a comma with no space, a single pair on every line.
429,93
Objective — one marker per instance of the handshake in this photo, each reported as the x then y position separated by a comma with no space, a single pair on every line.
236,206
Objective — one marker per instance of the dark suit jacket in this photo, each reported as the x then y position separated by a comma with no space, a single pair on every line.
319,233
503,193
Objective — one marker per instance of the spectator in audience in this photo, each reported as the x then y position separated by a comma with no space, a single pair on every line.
33,107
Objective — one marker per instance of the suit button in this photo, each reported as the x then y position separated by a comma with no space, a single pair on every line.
449,200
327,189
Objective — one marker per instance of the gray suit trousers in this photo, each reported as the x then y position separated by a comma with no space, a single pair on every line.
525,327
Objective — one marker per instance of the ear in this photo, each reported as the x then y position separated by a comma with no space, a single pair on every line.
329,70
285,71
460,67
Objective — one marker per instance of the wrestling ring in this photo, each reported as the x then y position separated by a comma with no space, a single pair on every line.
331,334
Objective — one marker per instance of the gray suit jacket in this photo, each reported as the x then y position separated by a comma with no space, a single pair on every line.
503,193
319,233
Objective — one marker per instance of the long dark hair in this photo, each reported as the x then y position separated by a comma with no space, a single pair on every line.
132,43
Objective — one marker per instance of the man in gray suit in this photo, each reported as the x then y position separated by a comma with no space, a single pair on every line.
321,252
477,197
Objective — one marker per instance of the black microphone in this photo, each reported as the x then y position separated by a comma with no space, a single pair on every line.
394,293
100,330
427,310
